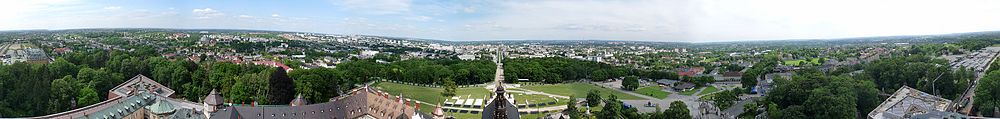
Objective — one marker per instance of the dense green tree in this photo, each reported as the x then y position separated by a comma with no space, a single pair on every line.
612,109
678,110
594,98
249,88
239,93
87,96
308,86
101,79
826,103
572,110
733,67
773,111
60,67
701,81
921,72
282,88
555,70
793,112
975,44
199,85
600,75
63,90
449,87
831,97
26,84
987,98
319,84
473,72
724,99
630,83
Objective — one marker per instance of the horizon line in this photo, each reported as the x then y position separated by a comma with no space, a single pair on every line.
501,40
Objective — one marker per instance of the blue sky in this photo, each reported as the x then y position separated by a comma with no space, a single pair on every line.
646,20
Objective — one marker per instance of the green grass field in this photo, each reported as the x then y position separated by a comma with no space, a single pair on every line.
709,60
690,92
794,62
814,61
578,90
532,98
707,97
709,89
653,91
428,94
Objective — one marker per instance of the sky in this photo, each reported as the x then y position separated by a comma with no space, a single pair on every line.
473,20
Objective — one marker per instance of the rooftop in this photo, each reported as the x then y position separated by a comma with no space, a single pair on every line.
907,102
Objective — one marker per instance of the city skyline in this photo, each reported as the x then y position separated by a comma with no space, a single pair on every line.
642,20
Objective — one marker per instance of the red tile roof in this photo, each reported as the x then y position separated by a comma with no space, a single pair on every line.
273,63
691,72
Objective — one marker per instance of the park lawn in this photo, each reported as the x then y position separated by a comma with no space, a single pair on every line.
709,60
794,62
690,92
429,94
530,116
653,91
532,98
815,60
708,90
579,90
707,97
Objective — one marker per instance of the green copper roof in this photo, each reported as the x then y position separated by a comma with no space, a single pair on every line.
161,107
124,107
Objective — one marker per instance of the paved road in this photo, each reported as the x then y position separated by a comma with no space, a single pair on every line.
526,91
690,101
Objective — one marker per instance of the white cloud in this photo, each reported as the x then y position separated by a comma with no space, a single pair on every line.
113,7
469,10
15,9
16,14
716,20
206,13
581,19
378,7
794,19
485,26
419,18
275,15
245,16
